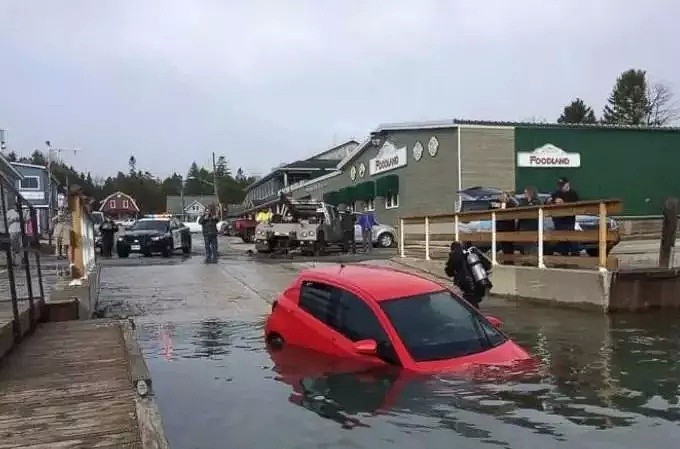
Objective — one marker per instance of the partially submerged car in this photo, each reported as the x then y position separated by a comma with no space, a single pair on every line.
382,316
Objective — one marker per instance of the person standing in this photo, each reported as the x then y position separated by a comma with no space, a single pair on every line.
347,220
505,201
14,230
108,229
367,221
529,224
564,194
208,222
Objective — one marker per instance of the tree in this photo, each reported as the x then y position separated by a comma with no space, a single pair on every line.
240,175
662,108
12,156
222,167
628,104
577,112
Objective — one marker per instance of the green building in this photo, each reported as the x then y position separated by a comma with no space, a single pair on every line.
407,169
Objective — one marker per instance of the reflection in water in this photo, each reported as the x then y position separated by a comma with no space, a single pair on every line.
599,376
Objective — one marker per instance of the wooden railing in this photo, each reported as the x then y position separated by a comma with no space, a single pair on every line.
429,236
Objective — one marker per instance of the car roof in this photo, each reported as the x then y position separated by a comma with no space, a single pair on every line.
154,219
380,282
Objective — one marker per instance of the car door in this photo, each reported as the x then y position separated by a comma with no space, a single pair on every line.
176,234
316,319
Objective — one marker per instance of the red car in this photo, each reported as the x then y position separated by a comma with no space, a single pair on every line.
381,316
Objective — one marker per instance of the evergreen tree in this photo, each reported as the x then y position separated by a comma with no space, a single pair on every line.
628,104
577,112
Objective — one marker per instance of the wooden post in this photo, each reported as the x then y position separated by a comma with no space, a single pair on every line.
668,231
494,256
401,237
76,236
541,262
602,237
427,238
456,228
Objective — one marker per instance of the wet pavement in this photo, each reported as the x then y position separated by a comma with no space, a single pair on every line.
607,381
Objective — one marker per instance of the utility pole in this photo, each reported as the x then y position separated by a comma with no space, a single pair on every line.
181,196
215,184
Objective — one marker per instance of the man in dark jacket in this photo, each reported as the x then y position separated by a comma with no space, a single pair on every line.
208,222
564,194
108,229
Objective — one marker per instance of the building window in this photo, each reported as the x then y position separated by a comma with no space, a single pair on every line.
369,205
391,201
30,183
126,204
112,204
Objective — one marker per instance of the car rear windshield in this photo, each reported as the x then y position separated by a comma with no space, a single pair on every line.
438,326
150,225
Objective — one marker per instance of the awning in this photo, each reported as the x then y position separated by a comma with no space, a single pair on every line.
387,184
331,198
365,190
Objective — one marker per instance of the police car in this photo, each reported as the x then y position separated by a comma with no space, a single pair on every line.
152,234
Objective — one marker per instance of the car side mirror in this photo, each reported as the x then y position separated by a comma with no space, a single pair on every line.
495,322
366,347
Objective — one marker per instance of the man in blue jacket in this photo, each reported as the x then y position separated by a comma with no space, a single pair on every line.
366,222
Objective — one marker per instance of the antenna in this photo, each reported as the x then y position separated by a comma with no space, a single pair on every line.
132,162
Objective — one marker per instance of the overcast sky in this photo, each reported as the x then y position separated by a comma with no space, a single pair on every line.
264,82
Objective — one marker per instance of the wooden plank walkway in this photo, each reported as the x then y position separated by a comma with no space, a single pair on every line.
68,386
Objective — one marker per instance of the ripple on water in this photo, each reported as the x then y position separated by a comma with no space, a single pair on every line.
215,378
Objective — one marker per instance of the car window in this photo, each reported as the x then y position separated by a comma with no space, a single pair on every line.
356,321
317,300
437,326
150,225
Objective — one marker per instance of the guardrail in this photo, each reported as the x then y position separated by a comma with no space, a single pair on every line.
430,236
82,236
18,240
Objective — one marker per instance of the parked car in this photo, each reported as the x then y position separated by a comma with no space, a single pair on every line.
154,235
481,198
384,235
193,226
382,316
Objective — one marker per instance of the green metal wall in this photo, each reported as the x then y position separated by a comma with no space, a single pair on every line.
641,167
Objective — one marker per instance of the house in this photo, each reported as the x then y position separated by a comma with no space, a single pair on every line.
40,190
189,207
265,191
118,206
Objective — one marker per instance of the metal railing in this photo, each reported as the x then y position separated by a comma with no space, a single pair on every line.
429,236
19,240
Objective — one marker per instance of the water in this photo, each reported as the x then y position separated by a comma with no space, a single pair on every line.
605,382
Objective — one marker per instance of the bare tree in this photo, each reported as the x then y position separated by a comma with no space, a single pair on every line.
663,109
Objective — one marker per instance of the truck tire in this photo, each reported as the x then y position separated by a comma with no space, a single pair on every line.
320,245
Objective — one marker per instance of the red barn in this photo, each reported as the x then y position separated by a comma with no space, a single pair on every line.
119,205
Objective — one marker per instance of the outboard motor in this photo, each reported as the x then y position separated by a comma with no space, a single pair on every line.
469,268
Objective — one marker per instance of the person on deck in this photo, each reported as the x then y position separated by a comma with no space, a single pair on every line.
564,194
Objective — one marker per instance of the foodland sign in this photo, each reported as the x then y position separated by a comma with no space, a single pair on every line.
548,156
388,158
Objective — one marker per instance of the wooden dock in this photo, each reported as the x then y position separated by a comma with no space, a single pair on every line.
70,385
